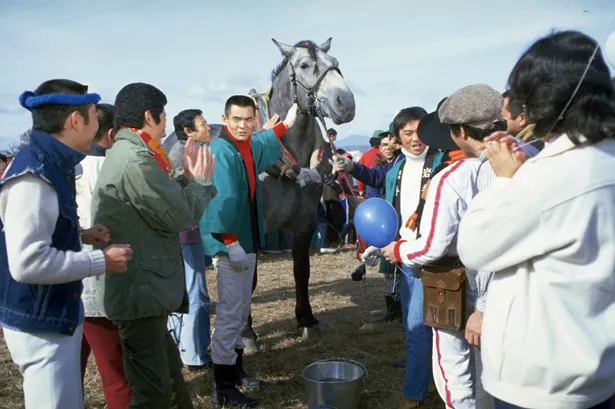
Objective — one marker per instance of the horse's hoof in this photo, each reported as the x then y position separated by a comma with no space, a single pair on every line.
311,332
251,346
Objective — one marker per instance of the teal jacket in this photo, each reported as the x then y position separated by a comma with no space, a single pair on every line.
391,180
229,211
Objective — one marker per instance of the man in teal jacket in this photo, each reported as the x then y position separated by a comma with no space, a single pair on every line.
232,229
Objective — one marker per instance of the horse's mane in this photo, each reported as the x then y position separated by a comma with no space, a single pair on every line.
311,47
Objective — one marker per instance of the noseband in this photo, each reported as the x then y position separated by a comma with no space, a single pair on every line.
314,102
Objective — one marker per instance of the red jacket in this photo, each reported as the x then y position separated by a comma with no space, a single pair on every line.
368,159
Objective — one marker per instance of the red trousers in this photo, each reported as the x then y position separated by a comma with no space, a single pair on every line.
101,337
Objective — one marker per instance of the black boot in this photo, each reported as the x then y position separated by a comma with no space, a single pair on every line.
241,377
389,315
399,315
225,392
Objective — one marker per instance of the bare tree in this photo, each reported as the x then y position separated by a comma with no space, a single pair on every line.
24,138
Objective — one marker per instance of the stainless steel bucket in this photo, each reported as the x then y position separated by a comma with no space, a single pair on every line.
334,383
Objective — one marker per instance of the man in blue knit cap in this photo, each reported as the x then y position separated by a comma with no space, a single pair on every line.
41,262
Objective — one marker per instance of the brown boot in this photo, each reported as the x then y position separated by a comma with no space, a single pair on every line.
411,404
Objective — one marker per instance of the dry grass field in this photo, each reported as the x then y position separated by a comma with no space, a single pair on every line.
346,310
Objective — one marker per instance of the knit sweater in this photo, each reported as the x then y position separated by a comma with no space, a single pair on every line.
29,211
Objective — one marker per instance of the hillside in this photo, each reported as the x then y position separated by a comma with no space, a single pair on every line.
354,143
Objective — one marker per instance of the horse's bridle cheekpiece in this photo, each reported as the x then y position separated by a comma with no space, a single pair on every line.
313,101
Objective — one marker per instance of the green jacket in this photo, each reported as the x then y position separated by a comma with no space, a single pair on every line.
391,180
229,212
141,206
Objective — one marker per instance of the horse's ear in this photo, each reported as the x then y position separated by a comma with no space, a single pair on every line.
326,45
285,49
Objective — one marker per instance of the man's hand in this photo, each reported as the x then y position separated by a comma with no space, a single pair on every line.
273,121
97,234
473,328
504,154
117,257
389,252
371,256
237,256
308,176
291,116
342,164
200,163
189,155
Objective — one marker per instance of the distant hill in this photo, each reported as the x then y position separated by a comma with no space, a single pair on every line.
354,143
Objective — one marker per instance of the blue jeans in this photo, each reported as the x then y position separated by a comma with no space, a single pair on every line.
418,337
191,331
503,405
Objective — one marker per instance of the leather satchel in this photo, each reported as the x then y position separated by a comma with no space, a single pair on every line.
444,294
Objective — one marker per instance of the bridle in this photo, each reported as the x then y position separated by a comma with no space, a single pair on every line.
314,103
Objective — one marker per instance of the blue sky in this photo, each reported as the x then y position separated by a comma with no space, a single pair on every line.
393,53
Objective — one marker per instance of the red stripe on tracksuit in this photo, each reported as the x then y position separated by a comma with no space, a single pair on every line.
435,213
449,400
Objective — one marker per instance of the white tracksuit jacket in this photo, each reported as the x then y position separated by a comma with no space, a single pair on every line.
448,197
548,336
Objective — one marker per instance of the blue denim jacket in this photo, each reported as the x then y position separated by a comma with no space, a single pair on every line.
44,308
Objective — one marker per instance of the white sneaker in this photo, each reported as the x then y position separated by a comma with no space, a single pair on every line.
328,250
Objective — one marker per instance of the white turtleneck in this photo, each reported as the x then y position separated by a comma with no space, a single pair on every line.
410,189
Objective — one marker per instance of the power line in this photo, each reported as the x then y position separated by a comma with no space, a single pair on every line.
28,8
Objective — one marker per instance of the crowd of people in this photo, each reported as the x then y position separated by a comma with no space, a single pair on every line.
500,271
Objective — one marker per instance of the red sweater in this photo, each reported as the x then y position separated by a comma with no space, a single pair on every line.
368,159
246,154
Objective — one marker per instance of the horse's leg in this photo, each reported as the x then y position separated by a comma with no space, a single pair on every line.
248,335
301,271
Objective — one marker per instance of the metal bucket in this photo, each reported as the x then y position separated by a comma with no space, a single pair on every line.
334,383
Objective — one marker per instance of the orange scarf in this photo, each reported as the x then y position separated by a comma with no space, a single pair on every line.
159,154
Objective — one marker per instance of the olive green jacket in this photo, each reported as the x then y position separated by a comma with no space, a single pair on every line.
142,206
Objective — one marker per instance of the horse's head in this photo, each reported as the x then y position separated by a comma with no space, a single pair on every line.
316,81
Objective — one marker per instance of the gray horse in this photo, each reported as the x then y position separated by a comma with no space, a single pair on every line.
310,77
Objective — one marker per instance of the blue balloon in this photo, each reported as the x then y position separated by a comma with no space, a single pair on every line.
376,222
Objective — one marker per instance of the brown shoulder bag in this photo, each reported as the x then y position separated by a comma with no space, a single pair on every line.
444,295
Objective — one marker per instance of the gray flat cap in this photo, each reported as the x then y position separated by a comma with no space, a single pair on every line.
477,106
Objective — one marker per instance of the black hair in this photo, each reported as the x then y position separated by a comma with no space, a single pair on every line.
106,119
374,142
545,77
404,116
185,119
51,118
134,100
240,101
514,109
332,131
478,133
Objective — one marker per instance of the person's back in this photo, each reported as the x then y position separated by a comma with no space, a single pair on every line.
561,264
545,229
